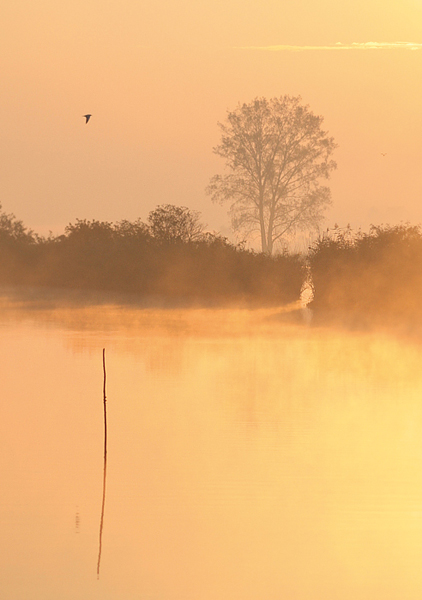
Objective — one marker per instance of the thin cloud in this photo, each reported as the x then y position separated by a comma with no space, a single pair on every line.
340,46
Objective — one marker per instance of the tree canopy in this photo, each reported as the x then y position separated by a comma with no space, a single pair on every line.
276,153
170,223
13,230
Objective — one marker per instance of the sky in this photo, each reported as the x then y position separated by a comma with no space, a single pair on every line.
157,76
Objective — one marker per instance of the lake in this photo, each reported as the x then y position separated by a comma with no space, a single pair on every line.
249,458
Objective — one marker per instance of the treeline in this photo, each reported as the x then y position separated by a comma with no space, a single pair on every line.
169,259
369,279
358,279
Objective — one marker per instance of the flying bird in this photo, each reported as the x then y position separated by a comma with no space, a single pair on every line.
383,153
87,117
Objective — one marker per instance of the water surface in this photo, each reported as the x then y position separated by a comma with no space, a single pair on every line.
248,458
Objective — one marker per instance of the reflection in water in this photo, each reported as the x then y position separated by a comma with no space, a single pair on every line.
77,521
251,459
100,543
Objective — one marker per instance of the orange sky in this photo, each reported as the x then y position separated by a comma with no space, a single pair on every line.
157,75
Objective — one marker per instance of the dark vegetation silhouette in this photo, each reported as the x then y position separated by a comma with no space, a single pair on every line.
369,279
358,279
168,260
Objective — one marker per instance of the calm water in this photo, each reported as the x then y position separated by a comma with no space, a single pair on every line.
247,459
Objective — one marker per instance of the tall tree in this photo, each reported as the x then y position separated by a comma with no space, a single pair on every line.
276,153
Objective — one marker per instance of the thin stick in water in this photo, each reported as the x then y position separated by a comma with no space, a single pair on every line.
105,466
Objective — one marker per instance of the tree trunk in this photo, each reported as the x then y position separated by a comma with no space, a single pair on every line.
264,240
270,238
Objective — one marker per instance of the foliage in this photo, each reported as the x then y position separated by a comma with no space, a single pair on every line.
369,278
169,223
275,152
168,261
12,230
16,242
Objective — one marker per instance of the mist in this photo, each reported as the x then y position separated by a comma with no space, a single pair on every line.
210,383
236,438
263,413
349,279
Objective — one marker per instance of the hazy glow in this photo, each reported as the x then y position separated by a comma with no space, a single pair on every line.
157,76
247,459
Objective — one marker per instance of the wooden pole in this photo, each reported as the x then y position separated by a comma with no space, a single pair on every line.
105,465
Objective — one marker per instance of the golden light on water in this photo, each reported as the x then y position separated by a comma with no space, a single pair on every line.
277,461
252,454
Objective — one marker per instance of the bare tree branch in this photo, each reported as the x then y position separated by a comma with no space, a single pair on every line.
275,153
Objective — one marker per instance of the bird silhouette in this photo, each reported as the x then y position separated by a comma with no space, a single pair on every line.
87,117
383,153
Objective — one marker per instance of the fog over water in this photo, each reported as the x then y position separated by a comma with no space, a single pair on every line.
249,456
